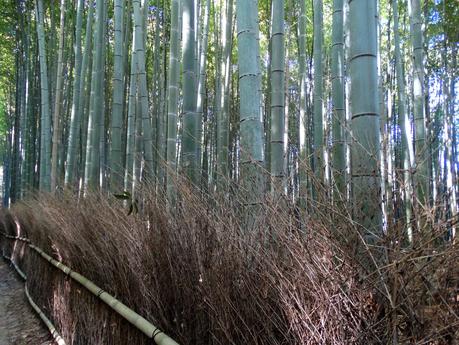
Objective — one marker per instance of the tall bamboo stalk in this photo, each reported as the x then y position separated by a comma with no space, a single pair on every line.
81,70
277,96
45,135
92,166
407,153
318,132
251,128
191,120
139,45
338,103
422,170
303,116
58,101
365,147
116,167
172,104
224,101
201,90
130,135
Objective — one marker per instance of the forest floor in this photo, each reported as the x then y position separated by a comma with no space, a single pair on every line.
19,325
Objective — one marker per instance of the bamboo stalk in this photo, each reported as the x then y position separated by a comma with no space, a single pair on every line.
23,239
22,274
57,338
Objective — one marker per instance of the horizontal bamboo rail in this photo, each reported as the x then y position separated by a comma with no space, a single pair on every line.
16,267
143,325
57,338
23,239
47,322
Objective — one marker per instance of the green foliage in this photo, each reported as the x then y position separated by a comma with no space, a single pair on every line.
3,128
133,207
449,11
443,20
7,65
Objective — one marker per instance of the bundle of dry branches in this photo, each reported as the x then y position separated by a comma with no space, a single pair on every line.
196,272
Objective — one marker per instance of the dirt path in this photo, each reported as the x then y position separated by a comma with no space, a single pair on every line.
19,325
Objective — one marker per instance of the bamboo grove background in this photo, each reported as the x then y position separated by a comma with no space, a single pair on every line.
104,95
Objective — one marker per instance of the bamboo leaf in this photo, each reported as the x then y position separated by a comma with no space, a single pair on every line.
122,196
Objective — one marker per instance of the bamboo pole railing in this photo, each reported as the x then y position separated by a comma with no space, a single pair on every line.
143,325
59,340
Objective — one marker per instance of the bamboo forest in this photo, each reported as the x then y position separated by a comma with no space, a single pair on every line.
208,172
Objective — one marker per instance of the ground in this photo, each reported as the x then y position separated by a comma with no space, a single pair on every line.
19,325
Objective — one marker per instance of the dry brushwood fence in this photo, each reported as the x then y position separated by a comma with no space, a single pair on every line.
202,279
18,324
128,314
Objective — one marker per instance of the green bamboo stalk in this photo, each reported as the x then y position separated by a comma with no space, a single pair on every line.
224,101
303,117
407,153
365,149
51,51
138,145
102,105
127,34
92,166
251,128
422,171
130,140
81,70
318,133
201,89
157,105
339,116
45,135
57,102
85,102
172,103
139,44
24,98
163,103
16,127
116,167
277,96
29,126
191,120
